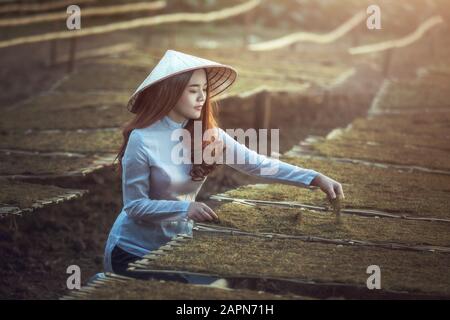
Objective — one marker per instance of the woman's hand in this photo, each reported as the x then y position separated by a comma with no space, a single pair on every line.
198,211
329,186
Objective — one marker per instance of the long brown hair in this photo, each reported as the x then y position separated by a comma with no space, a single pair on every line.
155,102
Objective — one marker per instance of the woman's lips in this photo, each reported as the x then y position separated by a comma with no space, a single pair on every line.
198,108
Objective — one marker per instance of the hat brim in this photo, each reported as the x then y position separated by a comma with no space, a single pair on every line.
220,78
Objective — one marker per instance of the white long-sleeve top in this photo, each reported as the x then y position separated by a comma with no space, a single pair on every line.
157,192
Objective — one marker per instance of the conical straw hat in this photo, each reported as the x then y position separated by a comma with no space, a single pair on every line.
220,76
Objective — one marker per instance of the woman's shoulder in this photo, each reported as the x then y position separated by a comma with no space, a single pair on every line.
142,133
141,137
136,135
140,144
135,140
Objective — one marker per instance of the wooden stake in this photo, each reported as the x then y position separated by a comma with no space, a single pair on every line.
299,218
247,31
387,62
53,48
262,110
147,41
326,97
72,51
53,53
171,36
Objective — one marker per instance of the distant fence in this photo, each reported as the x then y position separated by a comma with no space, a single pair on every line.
288,40
398,43
136,23
389,46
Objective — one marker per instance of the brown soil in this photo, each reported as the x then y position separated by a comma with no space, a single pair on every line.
39,246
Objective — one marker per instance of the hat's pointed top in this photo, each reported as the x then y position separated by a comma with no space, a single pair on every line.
173,62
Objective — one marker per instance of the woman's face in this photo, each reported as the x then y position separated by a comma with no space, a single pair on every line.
190,105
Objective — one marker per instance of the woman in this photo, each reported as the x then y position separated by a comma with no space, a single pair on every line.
159,194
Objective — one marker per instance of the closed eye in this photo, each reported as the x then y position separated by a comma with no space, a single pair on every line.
196,91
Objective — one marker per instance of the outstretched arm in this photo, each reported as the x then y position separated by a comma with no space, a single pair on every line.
274,169
250,162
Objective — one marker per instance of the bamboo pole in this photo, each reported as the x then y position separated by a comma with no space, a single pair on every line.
263,110
72,53
138,23
387,62
297,37
87,12
358,211
53,48
401,42
36,7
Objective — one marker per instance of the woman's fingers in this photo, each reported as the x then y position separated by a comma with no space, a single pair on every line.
329,186
339,191
194,217
214,215
210,212
331,193
198,217
205,215
198,211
